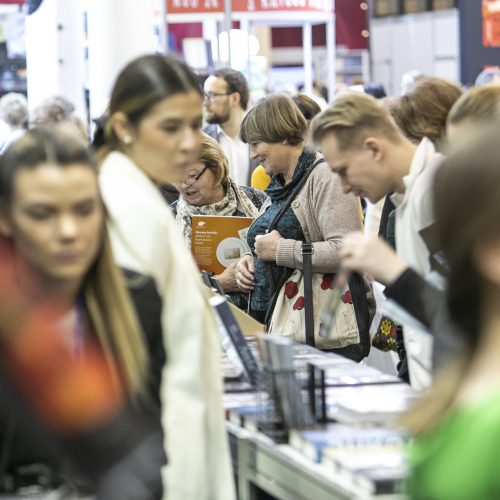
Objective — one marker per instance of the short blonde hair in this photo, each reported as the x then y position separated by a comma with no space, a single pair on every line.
477,104
351,117
213,157
275,118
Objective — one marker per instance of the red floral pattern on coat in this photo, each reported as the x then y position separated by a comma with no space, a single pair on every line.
299,304
327,281
291,289
347,297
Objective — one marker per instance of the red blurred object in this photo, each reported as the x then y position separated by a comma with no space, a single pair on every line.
350,21
69,394
491,23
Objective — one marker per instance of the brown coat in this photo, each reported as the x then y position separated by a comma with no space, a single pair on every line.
325,215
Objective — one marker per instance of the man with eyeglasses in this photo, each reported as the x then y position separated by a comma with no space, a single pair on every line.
226,100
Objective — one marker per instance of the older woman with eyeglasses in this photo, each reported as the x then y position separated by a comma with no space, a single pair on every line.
208,190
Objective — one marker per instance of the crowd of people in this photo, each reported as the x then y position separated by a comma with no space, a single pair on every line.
110,381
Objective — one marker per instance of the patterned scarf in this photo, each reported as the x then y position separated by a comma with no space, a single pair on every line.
278,190
234,201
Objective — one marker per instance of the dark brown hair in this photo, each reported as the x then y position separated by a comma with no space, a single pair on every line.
308,106
141,84
236,82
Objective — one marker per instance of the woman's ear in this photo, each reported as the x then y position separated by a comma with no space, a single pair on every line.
121,127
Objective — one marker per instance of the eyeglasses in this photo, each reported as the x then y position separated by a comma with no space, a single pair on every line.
191,179
210,96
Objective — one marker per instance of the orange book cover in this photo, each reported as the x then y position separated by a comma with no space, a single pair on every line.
491,23
218,241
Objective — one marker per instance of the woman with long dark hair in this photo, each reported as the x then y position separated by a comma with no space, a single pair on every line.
152,136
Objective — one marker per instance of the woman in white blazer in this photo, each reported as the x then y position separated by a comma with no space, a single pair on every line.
152,136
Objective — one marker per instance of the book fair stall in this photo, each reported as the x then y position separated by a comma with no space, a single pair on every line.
218,14
306,424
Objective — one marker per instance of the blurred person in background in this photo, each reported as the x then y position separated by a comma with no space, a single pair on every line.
423,111
57,109
477,105
226,96
52,220
208,190
307,106
152,136
488,76
14,113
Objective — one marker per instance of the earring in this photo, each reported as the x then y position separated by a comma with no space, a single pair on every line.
127,139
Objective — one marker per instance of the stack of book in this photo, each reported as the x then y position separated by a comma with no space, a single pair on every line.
372,404
370,470
370,460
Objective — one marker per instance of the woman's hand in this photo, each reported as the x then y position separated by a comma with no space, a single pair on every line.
371,255
244,273
266,245
227,279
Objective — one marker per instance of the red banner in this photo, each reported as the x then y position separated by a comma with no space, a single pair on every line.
217,6
491,23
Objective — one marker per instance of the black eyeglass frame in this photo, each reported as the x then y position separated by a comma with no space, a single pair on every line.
210,96
195,178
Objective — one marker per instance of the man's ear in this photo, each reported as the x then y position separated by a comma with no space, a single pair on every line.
121,127
375,146
235,99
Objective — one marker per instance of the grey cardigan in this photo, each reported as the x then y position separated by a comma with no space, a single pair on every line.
325,215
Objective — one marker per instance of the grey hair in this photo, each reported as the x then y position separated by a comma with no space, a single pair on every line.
14,109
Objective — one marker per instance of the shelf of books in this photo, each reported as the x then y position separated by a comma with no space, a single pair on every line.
304,424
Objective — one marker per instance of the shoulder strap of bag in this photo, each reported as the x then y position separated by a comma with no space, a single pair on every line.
273,225
358,290
307,251
292,196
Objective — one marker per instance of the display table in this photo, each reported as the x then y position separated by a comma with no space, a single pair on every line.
281,471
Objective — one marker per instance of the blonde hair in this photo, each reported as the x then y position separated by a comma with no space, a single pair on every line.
275,118
352,116
477,104
212,156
